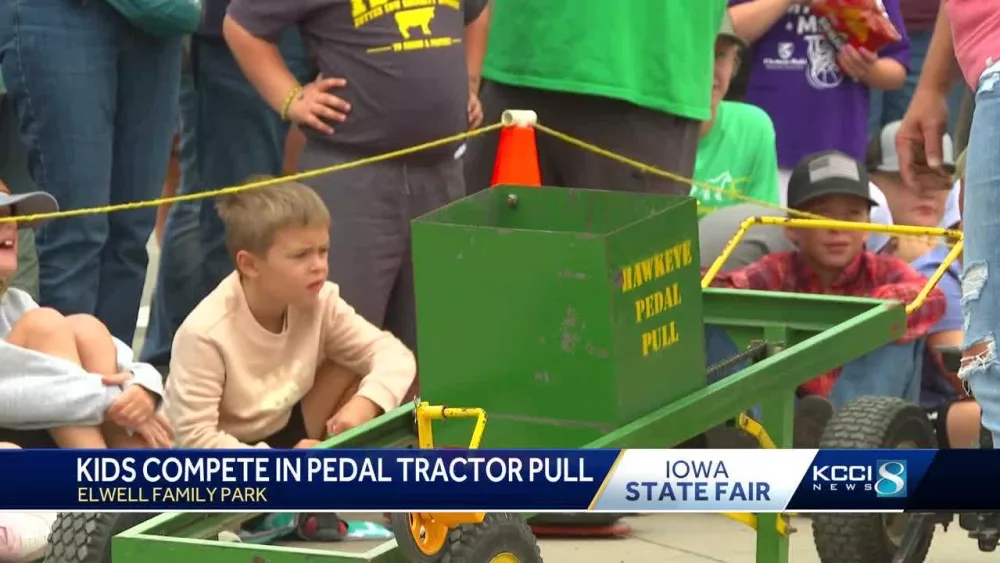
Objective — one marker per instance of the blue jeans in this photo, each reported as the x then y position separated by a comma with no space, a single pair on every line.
886,107
980,298
228,133
891,371
97,102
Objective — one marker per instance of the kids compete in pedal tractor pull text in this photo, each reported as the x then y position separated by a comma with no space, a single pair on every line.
64,380
273,357
832,262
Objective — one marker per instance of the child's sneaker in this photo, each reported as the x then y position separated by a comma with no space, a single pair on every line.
324,527
24,534
812,414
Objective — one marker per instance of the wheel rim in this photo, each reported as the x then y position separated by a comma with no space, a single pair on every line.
505,557
428,535
895,525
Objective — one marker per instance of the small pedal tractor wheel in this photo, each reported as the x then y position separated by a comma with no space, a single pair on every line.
419,536
501,538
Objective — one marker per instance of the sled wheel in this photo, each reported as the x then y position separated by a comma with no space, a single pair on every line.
501,538
419,536
85,537
873,422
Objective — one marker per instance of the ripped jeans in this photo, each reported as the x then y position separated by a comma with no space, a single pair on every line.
894,370
980,299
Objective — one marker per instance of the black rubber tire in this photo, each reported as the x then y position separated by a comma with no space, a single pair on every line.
85,537
499,533
870,422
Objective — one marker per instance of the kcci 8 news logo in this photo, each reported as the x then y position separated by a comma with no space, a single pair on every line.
887,478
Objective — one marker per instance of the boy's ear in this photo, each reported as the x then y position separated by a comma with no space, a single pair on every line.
246,264
792,235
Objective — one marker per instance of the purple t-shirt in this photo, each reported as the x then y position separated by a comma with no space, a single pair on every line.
794,77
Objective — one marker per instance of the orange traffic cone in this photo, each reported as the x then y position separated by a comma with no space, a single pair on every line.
517,155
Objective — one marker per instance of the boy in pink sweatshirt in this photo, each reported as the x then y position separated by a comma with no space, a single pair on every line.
273,357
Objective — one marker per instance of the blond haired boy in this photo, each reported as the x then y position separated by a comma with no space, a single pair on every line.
273,357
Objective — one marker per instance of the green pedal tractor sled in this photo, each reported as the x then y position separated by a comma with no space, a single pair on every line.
574,319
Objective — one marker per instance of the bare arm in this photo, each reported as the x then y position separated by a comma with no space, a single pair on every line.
476,35
886,74
940,71
261,62
751,20
918,142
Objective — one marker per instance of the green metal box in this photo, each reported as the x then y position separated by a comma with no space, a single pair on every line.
565,313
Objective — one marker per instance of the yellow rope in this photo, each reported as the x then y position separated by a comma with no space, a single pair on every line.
256,184
670,175
97,210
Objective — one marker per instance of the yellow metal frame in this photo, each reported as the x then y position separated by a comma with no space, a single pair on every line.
756,429
426,415
750,425
897,230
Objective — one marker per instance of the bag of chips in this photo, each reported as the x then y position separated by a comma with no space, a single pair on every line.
860,23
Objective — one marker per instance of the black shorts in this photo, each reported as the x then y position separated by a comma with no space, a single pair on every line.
28,439
293,432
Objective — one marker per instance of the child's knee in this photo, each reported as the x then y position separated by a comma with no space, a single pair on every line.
88,327
40,322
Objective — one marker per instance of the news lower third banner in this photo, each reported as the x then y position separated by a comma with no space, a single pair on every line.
393,480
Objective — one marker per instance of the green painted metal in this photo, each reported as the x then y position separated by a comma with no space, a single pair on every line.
777,414
196,532
568,282
525,310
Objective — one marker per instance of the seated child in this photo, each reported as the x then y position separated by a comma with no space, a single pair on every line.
943,396
920,205
273,357
64,380
23,535
831,262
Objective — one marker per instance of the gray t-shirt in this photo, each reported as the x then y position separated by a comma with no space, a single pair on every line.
404,63
717,228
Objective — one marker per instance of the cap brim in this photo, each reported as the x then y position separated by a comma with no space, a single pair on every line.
736,39
834,186
31,203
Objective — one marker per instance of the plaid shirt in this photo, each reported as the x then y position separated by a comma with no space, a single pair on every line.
877,276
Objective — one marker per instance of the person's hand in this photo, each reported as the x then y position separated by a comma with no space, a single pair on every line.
475,110
856,63
157,432
911,247
315,106
134,406
306,444
357,411
918,142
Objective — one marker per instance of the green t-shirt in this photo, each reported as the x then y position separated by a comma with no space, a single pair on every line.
737,154
654,53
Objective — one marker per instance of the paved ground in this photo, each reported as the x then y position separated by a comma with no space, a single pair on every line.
685,538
